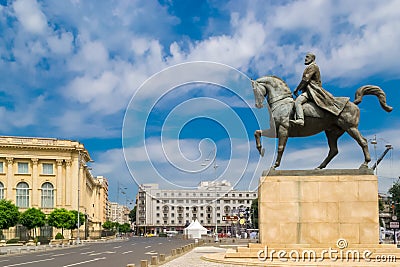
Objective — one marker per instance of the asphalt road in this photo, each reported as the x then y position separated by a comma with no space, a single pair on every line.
107,254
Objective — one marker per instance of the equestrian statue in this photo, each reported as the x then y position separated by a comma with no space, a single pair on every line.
314,110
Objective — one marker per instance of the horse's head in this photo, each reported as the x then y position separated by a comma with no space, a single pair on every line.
259,93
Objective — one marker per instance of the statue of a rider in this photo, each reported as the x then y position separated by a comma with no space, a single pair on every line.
311,88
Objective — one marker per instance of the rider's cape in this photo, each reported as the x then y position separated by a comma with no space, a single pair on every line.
326,100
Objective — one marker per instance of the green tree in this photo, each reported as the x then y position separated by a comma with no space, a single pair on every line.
115,226
395,192
9,215
132,215
254,213
74,222
60,218
32,218
124,228
108,225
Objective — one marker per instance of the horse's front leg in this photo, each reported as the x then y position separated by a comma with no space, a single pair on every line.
271,133
283,135
257,136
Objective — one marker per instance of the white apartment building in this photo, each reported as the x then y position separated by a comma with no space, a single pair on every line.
161,210
119,213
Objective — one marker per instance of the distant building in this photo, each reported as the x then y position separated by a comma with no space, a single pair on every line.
119,213
161,210
48,173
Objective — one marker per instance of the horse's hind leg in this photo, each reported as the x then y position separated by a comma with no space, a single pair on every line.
282,140
332,136
355,133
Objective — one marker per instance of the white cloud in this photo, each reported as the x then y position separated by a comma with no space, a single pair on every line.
90,59
235,50
30,15
60,43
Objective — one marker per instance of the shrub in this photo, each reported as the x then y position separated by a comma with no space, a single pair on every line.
12,241
44,240
59,236
162,235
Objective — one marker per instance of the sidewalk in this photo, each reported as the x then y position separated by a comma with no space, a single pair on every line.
193,258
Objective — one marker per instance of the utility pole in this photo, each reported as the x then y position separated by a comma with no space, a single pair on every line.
78,240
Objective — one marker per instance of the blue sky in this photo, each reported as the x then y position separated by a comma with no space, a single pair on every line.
75,69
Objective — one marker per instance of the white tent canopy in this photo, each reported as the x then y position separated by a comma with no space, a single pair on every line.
195,230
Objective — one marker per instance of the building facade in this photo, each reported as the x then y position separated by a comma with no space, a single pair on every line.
119,213
48,173
161,210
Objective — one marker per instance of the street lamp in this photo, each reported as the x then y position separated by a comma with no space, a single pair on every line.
215,183
216,220
78,240
120,189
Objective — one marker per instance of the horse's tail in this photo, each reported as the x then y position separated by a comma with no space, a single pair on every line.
372,90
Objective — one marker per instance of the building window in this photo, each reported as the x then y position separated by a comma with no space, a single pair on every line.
22,195
47,195
47,168
1,190
23,167
1,167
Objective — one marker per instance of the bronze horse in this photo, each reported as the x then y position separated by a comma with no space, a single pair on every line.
280,101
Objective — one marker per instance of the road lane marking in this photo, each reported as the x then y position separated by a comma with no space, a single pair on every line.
4,260
88,252
151,252
47,254
95,254
28,262
103,252
148,247
130,251
63,254
117,247
83,262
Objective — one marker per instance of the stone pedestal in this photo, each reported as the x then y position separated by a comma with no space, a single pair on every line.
331,217
318,207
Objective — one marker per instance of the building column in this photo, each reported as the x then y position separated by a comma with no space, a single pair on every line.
67,188
10,176
35,186
59,184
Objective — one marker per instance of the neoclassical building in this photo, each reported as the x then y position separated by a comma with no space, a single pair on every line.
48,173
